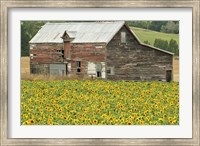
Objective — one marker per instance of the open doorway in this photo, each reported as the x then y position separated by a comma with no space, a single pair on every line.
168,75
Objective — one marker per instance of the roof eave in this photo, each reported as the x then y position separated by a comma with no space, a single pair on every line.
157,48
115,33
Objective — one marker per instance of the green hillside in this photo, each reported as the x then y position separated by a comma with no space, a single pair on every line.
144,34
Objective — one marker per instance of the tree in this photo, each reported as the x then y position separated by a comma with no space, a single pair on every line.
147,42
28,30
162,44
140,24
156,25
170,27
176,28
173,47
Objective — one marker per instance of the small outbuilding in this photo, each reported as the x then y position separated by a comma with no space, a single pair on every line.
108,50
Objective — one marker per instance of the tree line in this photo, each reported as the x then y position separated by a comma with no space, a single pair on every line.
160,26
171,46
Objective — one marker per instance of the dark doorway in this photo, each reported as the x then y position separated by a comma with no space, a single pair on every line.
98,74
78,63
168,75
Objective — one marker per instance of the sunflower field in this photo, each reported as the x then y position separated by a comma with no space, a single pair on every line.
98,102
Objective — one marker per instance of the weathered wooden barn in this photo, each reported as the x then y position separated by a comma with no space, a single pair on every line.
108,50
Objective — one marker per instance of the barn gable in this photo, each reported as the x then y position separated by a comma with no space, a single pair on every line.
132,60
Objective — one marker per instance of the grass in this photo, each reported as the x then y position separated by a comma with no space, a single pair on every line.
144,34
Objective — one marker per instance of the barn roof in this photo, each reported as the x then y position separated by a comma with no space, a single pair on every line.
82,32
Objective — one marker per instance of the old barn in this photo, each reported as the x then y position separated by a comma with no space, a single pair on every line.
108,50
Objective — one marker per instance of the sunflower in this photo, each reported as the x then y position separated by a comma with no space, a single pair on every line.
32,121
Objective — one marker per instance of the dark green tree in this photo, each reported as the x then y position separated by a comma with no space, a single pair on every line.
162,44
173,47
28,30
156,25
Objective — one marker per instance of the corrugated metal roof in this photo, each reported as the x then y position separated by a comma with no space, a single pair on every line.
82,32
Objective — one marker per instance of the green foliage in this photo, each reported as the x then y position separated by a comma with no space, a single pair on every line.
147,42
162,44
160,26
173,47
156,25
28,30
140,24
170,27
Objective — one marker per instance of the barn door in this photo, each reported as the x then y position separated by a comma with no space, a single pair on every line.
168,75
57,69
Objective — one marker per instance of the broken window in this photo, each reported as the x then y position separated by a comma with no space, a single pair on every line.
110,71
78,63
62,53
32,55
123,37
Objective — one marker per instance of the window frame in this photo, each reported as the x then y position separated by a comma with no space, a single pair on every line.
123,37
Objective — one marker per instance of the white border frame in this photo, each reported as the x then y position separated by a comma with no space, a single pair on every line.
103,131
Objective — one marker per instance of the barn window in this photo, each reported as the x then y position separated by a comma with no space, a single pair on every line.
32,55
62,53
78,63
123,37
110,71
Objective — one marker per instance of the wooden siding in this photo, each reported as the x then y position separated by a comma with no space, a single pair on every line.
132,61
39,68
46,53
85,53
67,50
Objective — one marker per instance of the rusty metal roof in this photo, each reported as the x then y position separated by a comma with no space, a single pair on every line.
82,32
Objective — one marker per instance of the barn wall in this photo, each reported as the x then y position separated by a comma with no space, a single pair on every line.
46,53
39,68
67,50
132,61
89,55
